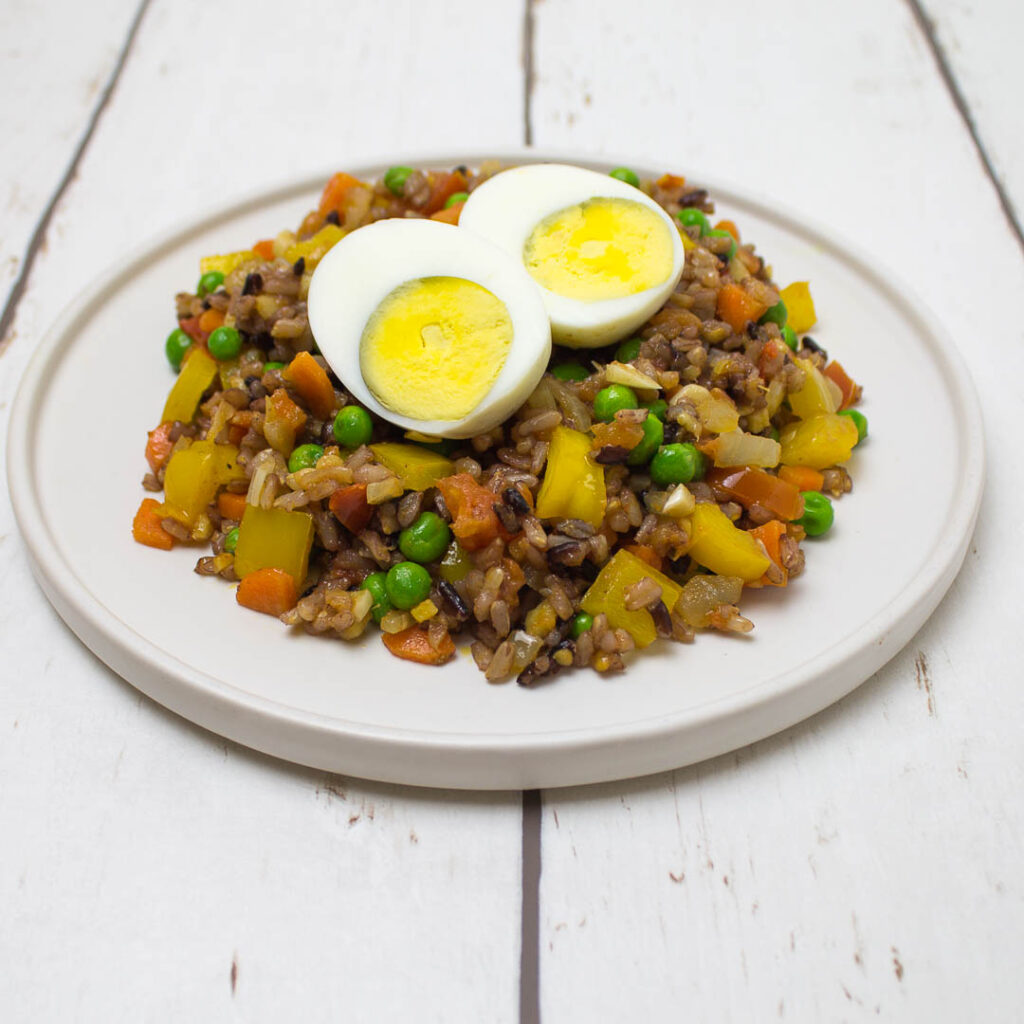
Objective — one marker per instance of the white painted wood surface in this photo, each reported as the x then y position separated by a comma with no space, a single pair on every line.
866,863
981,43
149,871
863,864
44,66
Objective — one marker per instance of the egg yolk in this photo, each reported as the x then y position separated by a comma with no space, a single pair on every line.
600,249
434,346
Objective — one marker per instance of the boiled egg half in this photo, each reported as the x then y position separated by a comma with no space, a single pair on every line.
604,254
431,327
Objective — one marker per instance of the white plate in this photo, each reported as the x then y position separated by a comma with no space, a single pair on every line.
898,542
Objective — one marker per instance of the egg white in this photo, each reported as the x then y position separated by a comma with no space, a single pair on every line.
367,265
505,210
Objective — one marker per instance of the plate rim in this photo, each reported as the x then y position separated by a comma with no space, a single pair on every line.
367,750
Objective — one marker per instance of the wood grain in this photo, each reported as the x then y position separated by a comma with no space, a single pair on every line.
981,48
53,87
862,864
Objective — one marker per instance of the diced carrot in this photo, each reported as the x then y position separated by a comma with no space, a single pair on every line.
670,181
770,534
190,325
239,426
159,446
737,307
147,528
413,644
312,383
750,486
210,320
264,248
850,389
450,215
803,478
311,224
646,554
349,504
773,348
728,225
231,506
442,185
335,191
283,420
271,591
476,523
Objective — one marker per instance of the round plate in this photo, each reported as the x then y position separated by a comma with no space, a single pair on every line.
353,708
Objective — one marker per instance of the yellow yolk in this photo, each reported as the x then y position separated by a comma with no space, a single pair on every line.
434,346
600,249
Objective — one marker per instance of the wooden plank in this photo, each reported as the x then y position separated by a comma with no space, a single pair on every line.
55,58
980,45
149,870
866,862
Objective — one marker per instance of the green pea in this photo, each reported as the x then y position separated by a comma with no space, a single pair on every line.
426,539
224,343
272,366
626,175
352,426
570,371
719,233
231,540
860,420
657,408
209,282
455,197
407,585
395,179
818,514
628,350
776,314
376,585
691,217
176,345
654,434
677,464
304,457
789,337
581,622
608,401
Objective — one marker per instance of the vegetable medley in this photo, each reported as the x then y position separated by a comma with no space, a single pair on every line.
635,495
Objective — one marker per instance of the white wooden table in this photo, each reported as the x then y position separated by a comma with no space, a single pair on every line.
864,864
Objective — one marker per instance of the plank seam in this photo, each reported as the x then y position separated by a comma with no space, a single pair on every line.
927,27
39,234
529,956
528,75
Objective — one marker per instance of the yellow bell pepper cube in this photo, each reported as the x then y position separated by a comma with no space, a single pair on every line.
416,468
196,375
573,486
723,548
818,394
314,249
227,261
819,442
274,538
799,306
607,595
193,477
